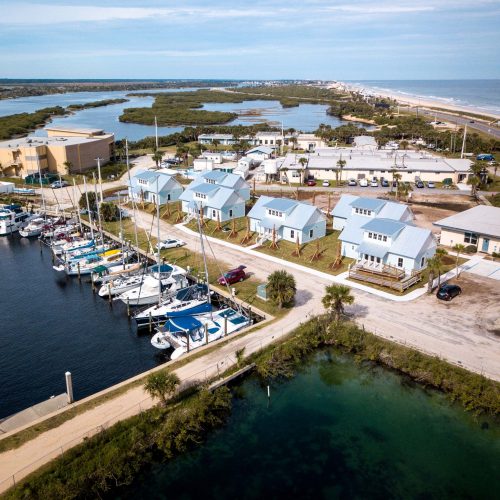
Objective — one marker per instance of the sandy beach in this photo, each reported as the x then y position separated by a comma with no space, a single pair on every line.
424,102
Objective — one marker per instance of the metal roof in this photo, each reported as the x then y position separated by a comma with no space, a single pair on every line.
281,204
263,149
368,203
373,249
482,219
384,226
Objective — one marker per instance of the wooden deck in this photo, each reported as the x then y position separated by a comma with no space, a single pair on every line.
388,276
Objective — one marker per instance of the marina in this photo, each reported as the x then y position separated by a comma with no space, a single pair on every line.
94,338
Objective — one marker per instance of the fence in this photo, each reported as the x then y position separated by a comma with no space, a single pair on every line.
209,373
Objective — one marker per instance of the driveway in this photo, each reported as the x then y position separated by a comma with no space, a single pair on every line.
486,268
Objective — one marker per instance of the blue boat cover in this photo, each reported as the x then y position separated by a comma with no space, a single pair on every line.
205,307
182,324
164,268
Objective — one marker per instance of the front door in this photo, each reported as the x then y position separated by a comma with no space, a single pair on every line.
486,244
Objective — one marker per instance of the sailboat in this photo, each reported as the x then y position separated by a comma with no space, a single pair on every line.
188,332
188,301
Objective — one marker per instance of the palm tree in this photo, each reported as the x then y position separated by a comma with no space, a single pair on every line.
157,157
396,177
162,385
433,265
458,248
336,297
474,184
281,288
67,164
341,164
440,253
303,161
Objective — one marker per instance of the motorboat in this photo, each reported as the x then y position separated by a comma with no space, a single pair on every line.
12,217
77,243
103,274
186,333
188,301
120,285
33,228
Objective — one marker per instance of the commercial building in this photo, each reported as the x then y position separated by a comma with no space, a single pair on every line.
76,148
355,163
478,226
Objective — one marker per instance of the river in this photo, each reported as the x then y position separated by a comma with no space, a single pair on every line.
51,323
306,117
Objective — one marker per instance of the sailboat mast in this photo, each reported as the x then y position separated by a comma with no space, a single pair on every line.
77,207
158,234
203,252
40,179
133,202
98,209
156,133
88,207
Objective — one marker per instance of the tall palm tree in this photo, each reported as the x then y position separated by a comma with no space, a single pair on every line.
341,164
68,165
396,177
474,184
440,253
157,157
458,248
335,299
433,265
162,385
281,287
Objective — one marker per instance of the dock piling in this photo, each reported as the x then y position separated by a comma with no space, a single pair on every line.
150,322
128,307
79,275
206,334
110,298
69,387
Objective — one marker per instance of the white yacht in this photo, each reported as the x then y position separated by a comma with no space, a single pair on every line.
11,218
33,228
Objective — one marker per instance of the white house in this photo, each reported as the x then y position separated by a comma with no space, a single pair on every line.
202,164
147,184
365,142
219,194
259,153
378,233
310,142
289,219
350,205
225,139
215,157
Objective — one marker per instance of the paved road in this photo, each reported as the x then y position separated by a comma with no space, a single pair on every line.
461,121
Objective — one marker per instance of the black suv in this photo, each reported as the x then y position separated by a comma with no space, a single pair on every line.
447,292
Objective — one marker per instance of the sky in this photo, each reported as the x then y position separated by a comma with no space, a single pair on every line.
271,39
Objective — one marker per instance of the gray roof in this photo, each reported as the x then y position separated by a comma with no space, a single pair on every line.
166,182
385,209
298,215
343,207
262,149
368,203
217,196
411,241
481,220
353,231
373,249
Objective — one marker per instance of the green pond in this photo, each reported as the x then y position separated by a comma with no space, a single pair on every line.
336,430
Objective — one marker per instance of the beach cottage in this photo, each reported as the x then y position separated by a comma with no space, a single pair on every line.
289,219
148,185
221,196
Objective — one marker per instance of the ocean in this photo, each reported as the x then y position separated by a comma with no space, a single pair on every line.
482,95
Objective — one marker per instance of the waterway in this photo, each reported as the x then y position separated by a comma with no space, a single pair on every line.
51,323
305,117
337,430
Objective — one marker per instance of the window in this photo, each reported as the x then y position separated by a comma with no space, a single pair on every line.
210,181
292,233
369,212
370,235
311,232
372,258
380,237
201,195
231,212
422,262
168,197
214,214
143,182
470,238
378,260
384,238
400,262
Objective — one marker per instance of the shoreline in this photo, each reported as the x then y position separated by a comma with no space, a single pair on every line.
425,102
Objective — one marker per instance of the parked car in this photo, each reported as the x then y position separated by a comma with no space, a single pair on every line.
326,183
384,183
363,183
170,243
59,184
352,182
447,291
374,183
419,184
311,182
233,276
431,185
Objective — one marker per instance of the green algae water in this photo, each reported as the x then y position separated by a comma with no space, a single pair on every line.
336,430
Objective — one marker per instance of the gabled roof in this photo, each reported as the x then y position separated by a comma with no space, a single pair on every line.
343,207
220,178
217,196
384,226
297,216
165,181
261,149
368,203
353,231
373,249
481,220
205,188
281,204
411,241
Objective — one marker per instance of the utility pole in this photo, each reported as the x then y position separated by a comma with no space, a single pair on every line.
156,133
463,142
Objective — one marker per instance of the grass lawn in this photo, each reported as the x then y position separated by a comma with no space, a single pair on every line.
240,226
245,291
494,200
328,252
449,263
